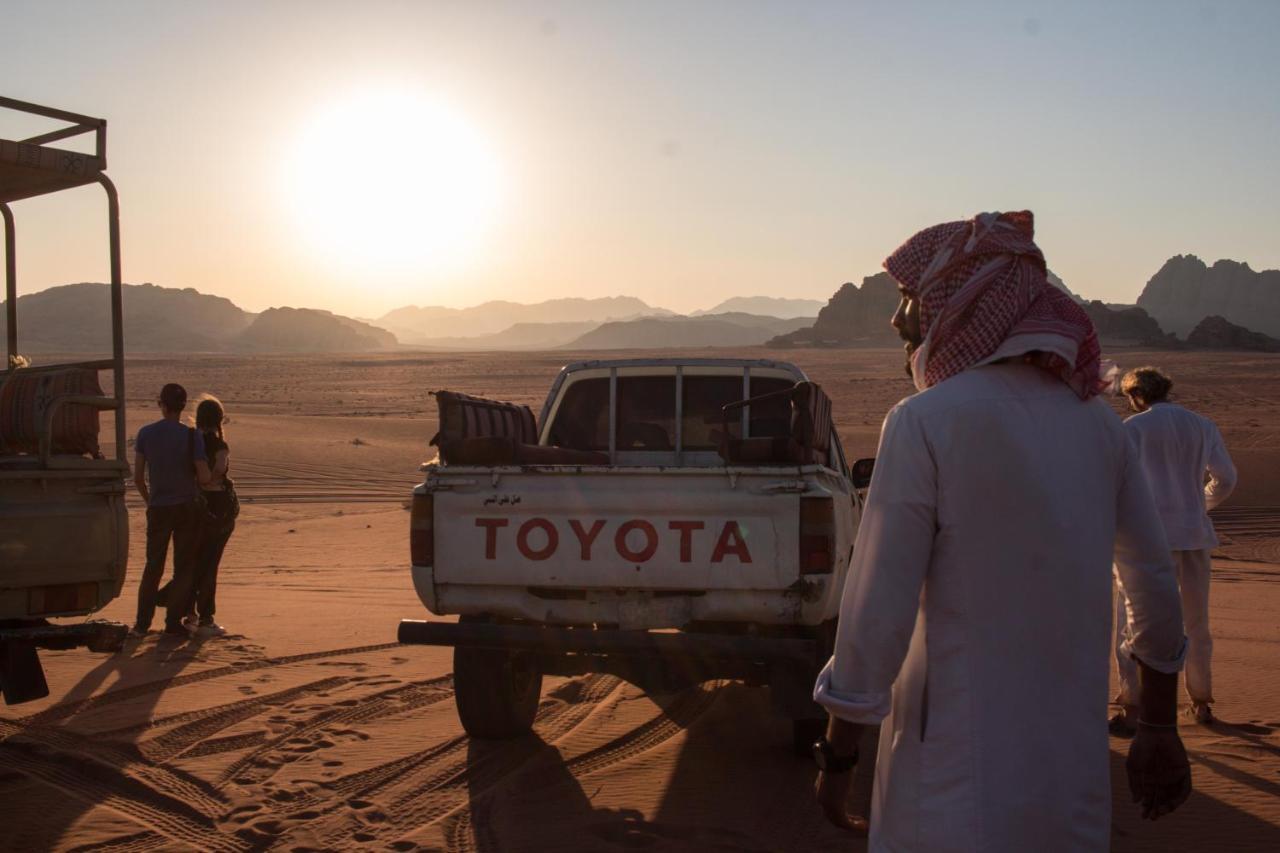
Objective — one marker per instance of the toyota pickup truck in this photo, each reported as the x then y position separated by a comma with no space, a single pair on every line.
668,521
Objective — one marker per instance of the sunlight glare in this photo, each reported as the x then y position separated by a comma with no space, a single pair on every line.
392,181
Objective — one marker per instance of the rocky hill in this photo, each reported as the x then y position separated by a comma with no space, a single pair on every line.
74,318
1127,327
310,330
1186,291
1219,333
854,316
712,330
413,324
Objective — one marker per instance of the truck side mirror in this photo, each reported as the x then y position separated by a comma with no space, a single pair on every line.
860,473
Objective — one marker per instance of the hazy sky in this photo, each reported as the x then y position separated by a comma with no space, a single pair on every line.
678,152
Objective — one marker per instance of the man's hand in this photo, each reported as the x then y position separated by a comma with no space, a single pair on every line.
1159,773
832,792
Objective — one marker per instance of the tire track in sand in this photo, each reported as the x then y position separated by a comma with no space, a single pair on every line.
68,709
436,781
180,740
137,842
119,759
179,822
252,768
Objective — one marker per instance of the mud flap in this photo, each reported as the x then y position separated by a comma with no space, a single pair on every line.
21,675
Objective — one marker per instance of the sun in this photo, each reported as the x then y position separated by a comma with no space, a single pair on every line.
392,181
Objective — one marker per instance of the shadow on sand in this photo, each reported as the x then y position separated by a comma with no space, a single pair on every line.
60,768
734,786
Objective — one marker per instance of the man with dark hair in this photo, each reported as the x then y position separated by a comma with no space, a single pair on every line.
975,621
1177,447
169,464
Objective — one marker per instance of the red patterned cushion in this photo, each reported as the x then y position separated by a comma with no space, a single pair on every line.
24,398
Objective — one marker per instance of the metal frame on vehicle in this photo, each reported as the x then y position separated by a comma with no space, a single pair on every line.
29,168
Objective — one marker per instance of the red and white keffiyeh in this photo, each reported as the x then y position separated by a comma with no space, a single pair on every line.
984,296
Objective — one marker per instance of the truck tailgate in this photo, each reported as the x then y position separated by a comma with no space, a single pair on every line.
673,529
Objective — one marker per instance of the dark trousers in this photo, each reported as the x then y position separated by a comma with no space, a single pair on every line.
213,541
181,524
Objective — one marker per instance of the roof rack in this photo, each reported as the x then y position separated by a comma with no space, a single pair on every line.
28,168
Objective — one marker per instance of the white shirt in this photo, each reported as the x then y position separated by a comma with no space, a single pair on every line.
1177,447
976,619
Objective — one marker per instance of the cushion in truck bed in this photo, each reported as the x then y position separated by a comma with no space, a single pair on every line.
464,416
24,398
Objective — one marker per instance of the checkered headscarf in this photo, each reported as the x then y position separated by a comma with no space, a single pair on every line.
984,295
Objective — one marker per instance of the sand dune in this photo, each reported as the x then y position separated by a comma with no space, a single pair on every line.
310,728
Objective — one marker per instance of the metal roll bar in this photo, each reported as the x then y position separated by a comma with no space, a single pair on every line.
28,169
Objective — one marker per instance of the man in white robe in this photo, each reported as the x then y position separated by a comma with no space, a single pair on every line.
1177,448
975,625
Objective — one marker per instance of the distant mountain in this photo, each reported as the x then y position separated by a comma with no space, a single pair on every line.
414,324
310,330
75,318
712,330
1127,326
859,316
767,306
1218,333
521,336
1186,291
854,316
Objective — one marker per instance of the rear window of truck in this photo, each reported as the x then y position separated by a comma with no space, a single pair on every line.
646,419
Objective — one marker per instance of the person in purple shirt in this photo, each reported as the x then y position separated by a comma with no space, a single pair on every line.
169,466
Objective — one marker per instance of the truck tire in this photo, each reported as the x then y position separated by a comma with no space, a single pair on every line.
804,733
496,692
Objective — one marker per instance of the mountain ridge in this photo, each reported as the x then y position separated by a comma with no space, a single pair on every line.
1186,290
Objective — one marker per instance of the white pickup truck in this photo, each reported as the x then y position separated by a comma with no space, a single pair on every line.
669,521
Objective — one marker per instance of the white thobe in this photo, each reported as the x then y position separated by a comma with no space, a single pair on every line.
976,618
1178,448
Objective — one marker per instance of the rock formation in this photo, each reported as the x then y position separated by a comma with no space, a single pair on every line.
854,316
1185,291
1219,333
1127,327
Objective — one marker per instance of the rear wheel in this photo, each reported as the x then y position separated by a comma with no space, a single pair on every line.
496,691
804,733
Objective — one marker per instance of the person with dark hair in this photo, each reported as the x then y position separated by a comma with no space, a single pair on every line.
169,465
1177,448
975,620
219,519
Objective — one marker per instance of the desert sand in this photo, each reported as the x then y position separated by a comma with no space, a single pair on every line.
308,727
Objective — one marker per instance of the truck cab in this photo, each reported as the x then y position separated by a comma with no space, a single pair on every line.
64,530
665,520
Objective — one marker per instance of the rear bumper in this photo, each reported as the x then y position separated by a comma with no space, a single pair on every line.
592,641
810,601
98,636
